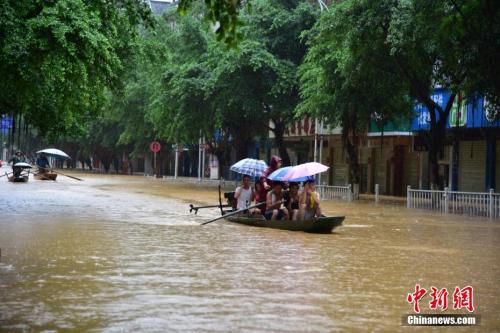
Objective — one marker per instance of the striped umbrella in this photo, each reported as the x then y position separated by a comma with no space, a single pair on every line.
249,166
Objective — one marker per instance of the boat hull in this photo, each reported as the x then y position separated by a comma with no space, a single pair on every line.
22,179
45,176
322,225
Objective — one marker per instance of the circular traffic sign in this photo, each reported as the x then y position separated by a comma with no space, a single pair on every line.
155,146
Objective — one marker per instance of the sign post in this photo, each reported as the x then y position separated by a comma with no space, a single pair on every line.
155,147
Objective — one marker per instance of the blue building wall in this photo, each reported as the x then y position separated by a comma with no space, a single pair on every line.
475,113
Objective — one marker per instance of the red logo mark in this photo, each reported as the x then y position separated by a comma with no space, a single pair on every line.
415,297
463,298
439,299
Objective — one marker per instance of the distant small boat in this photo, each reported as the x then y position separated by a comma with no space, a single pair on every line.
18,179
45,176
322,225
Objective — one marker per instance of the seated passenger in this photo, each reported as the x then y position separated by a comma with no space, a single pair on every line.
309,201
245,195
292,201
260,197
274,201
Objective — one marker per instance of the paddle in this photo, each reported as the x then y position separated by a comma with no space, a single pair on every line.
238,211
60,173
6,174
196,208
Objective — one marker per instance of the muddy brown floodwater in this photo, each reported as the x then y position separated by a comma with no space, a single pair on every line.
120,254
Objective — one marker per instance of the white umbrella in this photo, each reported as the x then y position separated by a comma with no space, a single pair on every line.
22,165
52,152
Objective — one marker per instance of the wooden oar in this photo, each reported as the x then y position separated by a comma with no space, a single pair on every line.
7,174
60,173
191,207
238,211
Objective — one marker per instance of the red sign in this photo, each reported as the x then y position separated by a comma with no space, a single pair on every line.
155,146
462,298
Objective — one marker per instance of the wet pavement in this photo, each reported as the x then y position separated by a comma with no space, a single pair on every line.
115,254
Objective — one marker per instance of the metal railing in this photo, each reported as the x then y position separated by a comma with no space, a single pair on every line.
328,192
197,181
486,204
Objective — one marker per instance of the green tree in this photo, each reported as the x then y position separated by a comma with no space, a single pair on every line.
278,25
57,58
347,81
410,40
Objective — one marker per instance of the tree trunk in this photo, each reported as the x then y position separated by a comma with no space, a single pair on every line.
437,126
279,132
350,143
241,145
437,134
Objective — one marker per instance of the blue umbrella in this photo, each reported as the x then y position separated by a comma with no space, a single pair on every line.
280,174
249,166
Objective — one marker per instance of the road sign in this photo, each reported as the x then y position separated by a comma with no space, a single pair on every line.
155,146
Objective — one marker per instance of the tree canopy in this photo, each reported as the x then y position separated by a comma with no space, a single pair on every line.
57,58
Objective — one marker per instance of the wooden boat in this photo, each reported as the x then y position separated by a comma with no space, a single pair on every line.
322,225
20,179
46,176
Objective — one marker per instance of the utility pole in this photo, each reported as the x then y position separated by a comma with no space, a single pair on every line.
176,167
199,157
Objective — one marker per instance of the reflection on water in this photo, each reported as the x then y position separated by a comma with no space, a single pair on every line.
100,256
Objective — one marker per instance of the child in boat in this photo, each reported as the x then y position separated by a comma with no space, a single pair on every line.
309,201
245,195
274,202
292,201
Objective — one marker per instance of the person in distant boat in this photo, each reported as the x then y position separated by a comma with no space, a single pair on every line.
245,195
274,201
292,201
42,163
17,158
309,201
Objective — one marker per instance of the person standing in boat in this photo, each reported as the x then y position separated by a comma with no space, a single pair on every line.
42,163
274,201
18,158
310,201
273,166
244,194
267,184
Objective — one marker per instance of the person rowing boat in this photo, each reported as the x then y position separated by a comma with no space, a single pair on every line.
245,195
42,163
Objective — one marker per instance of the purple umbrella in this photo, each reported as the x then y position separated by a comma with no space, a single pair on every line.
280,174
305,170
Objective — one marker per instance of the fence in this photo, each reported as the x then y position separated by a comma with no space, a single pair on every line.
204,181
335,192
326,192
467,203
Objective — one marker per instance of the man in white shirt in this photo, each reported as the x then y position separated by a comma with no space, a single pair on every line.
244,194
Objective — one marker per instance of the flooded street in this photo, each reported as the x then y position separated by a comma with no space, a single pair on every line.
115,254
